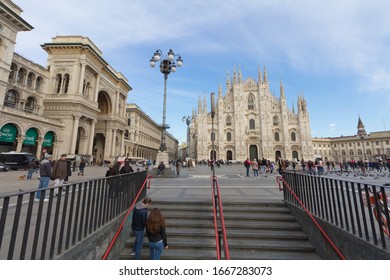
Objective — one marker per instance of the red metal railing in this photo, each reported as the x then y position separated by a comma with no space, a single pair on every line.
278,180
113,241
217,209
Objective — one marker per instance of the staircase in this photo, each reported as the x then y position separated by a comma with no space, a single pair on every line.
255,231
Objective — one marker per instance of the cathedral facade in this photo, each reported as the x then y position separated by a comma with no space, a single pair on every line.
251,122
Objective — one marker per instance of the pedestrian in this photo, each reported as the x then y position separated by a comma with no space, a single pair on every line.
140,214
178,167
30,169
126,168
59,172
255,168
81,167
69,171
160,169
44,177
247,164
155,231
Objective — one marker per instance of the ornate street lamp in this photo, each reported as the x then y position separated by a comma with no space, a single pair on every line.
167,65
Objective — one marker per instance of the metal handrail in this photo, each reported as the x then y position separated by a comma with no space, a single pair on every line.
280,178
219,234
113,241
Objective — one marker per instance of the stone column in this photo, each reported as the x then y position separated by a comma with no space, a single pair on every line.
113,145
107,144
20,139
76,120
81,81
122,148
39,148
91,137
96,93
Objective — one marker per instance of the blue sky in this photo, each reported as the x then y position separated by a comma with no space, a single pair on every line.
336,52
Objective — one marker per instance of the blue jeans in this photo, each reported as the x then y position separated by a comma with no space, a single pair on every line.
139,240
43,184
30,172
155,250
256,172
247,170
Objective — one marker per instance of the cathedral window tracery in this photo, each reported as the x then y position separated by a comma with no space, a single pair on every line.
252,124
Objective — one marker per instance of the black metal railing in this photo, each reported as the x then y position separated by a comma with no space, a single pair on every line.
43,229
358,208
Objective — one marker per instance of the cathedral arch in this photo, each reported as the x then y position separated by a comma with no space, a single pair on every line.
228,136
293,136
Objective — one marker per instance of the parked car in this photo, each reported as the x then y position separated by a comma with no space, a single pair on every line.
16,160
4,167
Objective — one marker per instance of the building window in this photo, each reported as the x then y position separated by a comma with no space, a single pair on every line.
29,106
350,144
343,152
369,152
228,121
21,75
14,69
378,151
293,136
251,102
276,136
66,83
10,99
212,136
58,83
38,84
377,143
30,79
228,136
252,124
276,120
351,152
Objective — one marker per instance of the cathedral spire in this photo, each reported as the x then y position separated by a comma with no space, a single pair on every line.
204,105
259,75
234,75
220,92
265,78
239,75
227,80
281,91
200,105
361,130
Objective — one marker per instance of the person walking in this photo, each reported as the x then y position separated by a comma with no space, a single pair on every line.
59,172
255,168
44,177
155,231
126,168
178,167
81,167
140,214
160,169
247,165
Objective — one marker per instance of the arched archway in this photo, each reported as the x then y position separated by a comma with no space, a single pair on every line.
8,135
253,154
104,103
229,155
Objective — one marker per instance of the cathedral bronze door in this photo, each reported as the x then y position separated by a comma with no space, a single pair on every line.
253,152
229,155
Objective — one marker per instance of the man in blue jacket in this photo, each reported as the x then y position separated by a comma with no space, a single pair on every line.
140,217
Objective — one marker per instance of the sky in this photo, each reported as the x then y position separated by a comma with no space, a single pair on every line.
334,52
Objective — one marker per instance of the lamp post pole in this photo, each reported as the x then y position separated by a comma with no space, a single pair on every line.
167,65
187,119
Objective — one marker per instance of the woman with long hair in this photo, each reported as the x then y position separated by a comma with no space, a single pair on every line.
155,231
